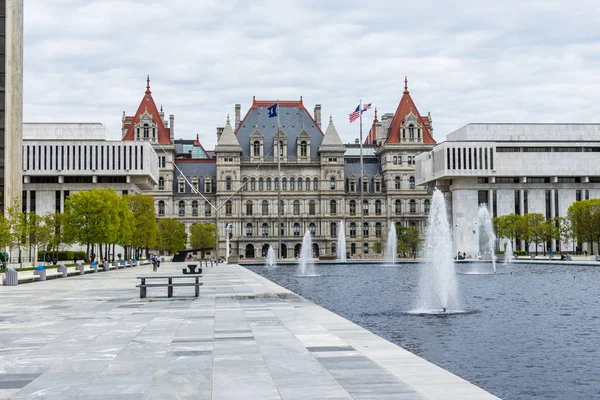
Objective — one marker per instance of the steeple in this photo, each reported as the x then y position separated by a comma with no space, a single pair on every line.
331,140
405,85
228,141
148,85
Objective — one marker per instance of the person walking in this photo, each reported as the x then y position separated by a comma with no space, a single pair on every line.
154,267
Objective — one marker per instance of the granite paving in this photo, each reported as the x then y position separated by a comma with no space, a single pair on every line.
92,337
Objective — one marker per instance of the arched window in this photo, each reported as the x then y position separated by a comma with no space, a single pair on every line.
248,229
283,183
333,229
253,184
366,248
296,207
352,207
282,230
332,207
352,249
352,229
398,207
397,182
281,148
249,207
265,229
276,183
365,207
303,152
427,205
146,131
265,207
161,183
312,228
378,229
311,207
377,207
315,183
366,229
228,183
256,148
300,183
292,183
228,207
352,184
411,131
332,183
261,184
411,182
246,185
269,183
181,207
281,207
161,208
207,209
296,229
412,206
195,208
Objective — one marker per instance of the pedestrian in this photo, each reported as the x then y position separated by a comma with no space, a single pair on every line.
154,263
157,262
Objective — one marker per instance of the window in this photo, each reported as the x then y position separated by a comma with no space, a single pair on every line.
312,228
245,184
332,207
378,229
228,207
333,229
281,148
265,229
146,131
265,207
276,183
281,207
411,182
352,185
377,186
427,204
292,184
296,229
161,208
282,229
296,207
181,187
228,183
352,207
397,182
398,207
195,208
412,207
248,229
377,207
253,184
195,186
395,160
365,185
411,131
161,183
411,160
261,184
332,183
365,207
366,248
256,148
249,207
352,230
207,185
366,229
269,183
181,207
207,209
300,183
315,184
284,184
311,207
303,152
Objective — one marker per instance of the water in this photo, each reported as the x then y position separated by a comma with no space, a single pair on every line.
271,260
530,335
391,245
306,264
508,253
227,249
487,237
437,285
341,243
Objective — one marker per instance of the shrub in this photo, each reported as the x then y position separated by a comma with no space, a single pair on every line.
63,255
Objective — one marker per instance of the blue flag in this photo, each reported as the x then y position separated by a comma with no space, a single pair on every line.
272,110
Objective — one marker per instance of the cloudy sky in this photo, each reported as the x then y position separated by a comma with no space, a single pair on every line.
466,61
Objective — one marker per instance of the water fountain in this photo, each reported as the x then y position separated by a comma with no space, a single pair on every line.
508,253
341,243
438,293
271,261
487,237
306,265
227,250
391,245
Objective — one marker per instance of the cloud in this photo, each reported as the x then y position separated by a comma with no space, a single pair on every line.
467,61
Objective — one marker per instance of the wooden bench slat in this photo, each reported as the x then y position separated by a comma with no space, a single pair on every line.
170,284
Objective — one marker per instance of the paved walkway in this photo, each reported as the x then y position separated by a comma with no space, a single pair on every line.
92,337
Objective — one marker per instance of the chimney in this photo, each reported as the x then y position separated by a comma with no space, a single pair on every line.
356,141
172,125
219,132
318,115
238,108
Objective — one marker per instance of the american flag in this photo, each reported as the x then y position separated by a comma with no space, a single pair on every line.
355,114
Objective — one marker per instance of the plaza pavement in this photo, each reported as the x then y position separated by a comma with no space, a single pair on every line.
92,337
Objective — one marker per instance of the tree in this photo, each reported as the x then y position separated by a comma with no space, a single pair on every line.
55,221
532,230
408,239
173,236
377,247
203,236
18,228
125,233
5,237
145,229
38,234
509,227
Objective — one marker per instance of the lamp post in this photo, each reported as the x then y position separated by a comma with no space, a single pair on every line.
227,234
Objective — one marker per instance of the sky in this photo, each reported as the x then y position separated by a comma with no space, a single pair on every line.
466,61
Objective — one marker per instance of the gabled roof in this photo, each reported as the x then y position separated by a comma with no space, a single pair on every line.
147,105
405,107
331,140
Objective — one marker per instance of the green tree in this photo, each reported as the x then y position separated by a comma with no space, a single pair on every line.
408,239
55,221
532,229
377,247
125,232
17,222
584,217
173,236
203,236
5,236
38,234
145,230
509,227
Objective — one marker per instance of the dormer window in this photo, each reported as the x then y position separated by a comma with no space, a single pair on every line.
411,131
256,145
195,185
303,146
207,184
146,129
256,148
181,186
161,183
352,184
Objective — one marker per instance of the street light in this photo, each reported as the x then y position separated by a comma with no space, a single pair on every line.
227,235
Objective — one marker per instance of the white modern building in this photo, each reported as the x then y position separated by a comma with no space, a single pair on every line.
513,168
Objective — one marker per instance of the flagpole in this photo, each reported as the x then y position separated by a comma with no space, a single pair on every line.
278,208
362,186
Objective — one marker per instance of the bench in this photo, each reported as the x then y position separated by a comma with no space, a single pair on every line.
169,285
191,269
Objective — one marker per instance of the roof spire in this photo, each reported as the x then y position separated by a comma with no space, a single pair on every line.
405,85
227,118
148,85
330,118
375,114
161,110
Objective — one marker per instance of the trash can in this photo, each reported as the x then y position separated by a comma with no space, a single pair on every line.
41,272
11,278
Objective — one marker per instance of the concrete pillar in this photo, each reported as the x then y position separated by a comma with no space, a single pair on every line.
317,114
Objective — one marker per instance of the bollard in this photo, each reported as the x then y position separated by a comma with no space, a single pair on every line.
11,278
63,270
116,264
79,268
211,263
